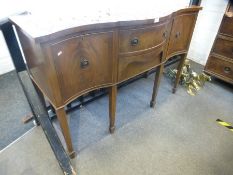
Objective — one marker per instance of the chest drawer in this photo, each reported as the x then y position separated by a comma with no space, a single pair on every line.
130,66
223,47
227,26
83,63
220,67
131,40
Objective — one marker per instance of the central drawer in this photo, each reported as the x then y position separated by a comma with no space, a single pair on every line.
130,66
137,39
224,47
83,63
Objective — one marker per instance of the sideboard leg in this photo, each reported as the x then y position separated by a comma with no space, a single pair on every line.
179,71
62,118
158,75
112,107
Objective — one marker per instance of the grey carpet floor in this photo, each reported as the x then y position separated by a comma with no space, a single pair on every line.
29,155
179,136
13,107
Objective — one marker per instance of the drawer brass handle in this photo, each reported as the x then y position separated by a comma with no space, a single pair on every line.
84,63
229,14
227,70
134,42
177,34
165,34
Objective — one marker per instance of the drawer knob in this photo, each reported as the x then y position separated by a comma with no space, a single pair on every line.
227,70
84,63
177,34
134,42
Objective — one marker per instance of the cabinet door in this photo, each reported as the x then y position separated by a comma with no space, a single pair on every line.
83,63
181,34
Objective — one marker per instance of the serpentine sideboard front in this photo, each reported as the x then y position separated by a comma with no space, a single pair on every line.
67,64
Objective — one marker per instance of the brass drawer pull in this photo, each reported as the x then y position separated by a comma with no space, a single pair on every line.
177,34
229,14
165,34
84,63
134,42
227,70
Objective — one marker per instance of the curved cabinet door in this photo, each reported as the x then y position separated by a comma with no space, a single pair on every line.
181,34
83,63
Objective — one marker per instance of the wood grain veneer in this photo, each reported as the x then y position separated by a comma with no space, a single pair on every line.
220,60
69,63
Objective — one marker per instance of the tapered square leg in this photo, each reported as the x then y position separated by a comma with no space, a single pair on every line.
179,71
112,108
157,80
62,118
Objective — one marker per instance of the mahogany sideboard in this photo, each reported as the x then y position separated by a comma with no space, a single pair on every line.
220,61
69,63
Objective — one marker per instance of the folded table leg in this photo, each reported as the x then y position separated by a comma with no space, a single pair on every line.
179,71
158,76
112,107
62,118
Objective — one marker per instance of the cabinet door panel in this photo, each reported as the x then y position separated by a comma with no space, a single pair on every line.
181,34
84,63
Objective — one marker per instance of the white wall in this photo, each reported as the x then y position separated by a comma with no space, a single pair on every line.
6,64
206,28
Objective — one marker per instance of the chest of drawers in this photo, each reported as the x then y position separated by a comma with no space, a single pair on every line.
69,63
220,61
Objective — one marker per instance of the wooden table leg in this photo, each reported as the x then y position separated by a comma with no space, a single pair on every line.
112,107
158,76
179,71
62,118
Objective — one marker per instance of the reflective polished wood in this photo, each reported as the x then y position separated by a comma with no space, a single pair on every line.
69,63
220,61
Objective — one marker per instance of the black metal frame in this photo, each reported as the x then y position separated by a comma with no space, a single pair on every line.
195,2
33,96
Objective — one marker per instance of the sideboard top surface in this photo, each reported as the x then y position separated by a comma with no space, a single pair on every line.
44,28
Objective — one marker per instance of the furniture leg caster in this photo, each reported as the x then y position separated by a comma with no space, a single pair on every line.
173,90
152,104
112,129
72,154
